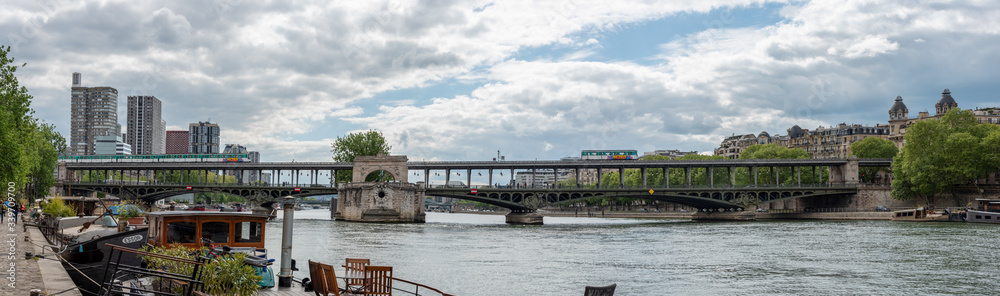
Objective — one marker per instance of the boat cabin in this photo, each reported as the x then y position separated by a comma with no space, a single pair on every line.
988,205
195,228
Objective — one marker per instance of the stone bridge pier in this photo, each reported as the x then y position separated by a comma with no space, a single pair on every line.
396,201
527,217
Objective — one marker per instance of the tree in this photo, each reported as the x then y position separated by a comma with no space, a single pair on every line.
786,175
29,149
940,154
16,123
872,147
369,143
48,142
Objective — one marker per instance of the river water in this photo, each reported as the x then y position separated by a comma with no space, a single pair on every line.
469,254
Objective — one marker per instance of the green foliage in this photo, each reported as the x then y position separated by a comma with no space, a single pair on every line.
231,276
224,276
217,198
193,177
940,154
28,148
872,147
773,151
345,149
128,209
56,207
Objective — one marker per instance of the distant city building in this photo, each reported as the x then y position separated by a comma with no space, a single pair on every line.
673,153
203,138
541,178
111,145
823,142
177,142
93,113
900,120
146,128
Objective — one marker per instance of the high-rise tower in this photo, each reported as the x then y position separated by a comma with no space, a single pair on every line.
204,138
146,130
93,113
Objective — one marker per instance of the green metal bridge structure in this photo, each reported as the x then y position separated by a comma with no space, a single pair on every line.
714,196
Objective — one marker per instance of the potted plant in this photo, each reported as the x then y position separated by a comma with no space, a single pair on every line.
129,214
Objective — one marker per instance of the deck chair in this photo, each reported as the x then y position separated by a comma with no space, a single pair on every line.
378,280
359,265
600,291
324,279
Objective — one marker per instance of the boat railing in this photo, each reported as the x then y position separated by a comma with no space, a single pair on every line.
416,288
117,275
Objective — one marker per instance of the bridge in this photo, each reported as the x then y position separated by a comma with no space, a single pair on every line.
760,180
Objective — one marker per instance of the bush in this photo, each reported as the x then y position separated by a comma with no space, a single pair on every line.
56,207
223,276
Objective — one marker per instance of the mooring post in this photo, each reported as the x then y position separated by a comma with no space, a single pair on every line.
285,275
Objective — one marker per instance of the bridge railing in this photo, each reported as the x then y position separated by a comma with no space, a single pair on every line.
515,187
658,186
156,183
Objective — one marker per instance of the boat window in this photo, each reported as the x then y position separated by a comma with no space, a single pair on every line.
248,232
215,232
979,216
180,232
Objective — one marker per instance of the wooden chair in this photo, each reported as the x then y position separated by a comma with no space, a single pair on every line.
378,280
357,264
600,291
324,279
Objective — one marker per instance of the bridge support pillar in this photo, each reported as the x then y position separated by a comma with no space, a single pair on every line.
527,217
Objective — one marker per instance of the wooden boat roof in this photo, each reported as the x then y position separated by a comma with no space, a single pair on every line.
205,213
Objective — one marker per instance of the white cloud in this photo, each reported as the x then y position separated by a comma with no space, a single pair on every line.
273,73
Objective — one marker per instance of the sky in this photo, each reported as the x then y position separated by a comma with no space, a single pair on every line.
466,80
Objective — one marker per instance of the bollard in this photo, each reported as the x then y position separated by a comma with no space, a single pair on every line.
285,275
27,255
35,292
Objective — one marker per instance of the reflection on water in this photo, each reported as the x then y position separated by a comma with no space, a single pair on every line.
471,254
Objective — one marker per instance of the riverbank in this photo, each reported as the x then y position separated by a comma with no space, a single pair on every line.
23,275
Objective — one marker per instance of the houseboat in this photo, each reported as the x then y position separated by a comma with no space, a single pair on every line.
985,211
918,215
82,243
86,251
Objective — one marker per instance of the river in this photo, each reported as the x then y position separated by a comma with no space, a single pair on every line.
468,254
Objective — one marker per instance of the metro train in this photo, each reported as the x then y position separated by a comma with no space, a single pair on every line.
158,158
609,154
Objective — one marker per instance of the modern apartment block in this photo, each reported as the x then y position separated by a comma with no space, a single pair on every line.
146,128
177,142
93,113
203,138
111,145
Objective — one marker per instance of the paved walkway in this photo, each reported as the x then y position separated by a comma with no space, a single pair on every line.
27,274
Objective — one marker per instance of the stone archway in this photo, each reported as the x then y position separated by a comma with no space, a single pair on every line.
394,165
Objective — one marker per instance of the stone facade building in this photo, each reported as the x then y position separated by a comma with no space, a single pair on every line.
900,120
823,142
835,142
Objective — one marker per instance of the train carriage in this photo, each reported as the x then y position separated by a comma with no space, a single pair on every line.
609,154
226,157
